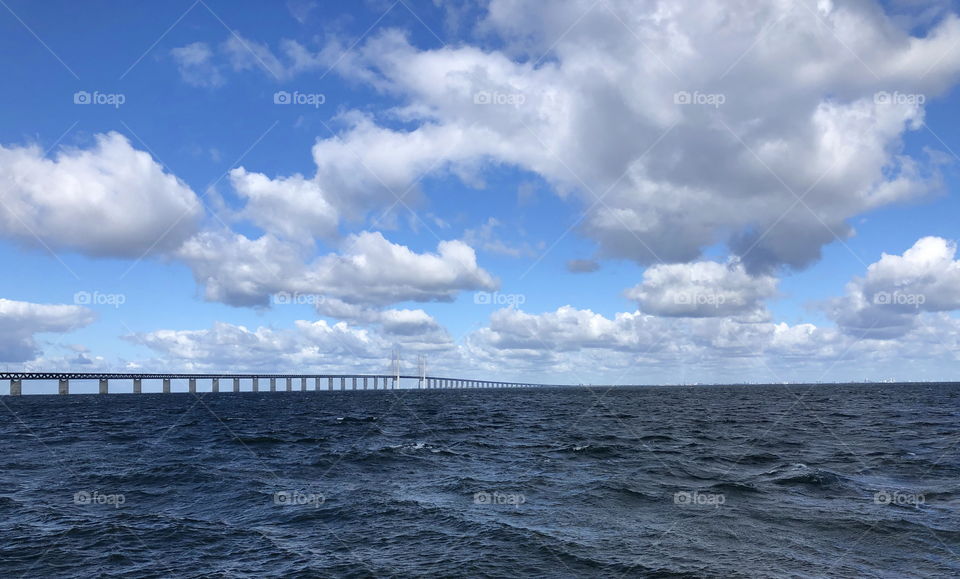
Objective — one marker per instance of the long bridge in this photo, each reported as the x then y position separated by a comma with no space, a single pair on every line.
286,381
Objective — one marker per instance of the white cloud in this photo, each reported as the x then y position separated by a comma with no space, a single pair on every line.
20,321
196,64
702,289
570,345
292,207
110,200
598,116
370,271
485,238
201,65
886,303
308,346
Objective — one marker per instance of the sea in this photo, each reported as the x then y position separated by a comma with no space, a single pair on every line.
854,480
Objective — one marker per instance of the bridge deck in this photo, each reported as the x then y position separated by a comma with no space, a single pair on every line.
357,381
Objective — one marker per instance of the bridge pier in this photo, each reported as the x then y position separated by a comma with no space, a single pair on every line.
303,384
166,385
16,388
104,389
215,385
192,385
316,384
236,384
364,382
289,384
137,386
354,381
343,383
273,384
256,384
329,383
63,387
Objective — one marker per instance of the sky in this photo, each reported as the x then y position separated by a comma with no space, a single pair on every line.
595,191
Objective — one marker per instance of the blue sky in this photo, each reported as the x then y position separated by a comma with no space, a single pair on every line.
512,193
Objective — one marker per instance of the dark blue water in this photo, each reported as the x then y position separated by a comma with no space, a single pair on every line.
859,480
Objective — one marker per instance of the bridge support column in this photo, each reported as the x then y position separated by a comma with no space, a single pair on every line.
16,387
64,386
104,389
166,385
192,385
316,384
215,385
343,383
364,382
137,386
289,384
354,380
256,384
236,384
273,384
329,383
303,384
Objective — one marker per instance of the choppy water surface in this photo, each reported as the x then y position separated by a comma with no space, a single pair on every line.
858,480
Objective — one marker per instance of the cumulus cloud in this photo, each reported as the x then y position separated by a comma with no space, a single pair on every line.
627,119
110,200
887,301
291,207
746,134
701,290
20,321
308,346
571,345
370,270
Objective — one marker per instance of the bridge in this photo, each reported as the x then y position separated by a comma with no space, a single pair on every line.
286,381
